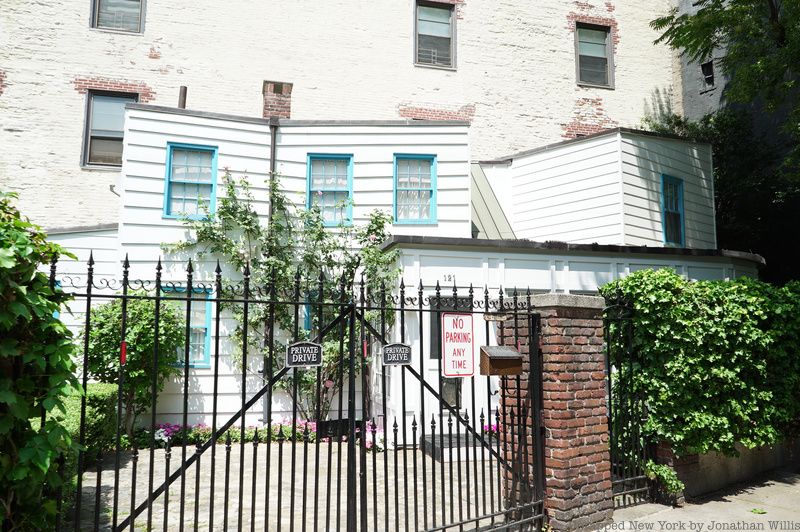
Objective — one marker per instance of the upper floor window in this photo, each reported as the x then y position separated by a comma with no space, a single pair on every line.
435,34
414,189
594,55
190,181
672,210
330,187
708,75
105,125
199,324
123,15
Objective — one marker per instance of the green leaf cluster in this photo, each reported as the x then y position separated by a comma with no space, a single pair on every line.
36,374
716,361
142,364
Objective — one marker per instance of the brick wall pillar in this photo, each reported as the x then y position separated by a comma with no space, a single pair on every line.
577,462
277,99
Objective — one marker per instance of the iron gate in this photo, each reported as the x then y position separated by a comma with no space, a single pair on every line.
352,444
627,408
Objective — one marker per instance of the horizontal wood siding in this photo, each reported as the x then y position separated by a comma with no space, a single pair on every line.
570,193
644,160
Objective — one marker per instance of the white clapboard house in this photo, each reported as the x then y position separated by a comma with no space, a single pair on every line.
563,218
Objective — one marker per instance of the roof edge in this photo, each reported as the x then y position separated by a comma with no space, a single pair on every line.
606,132
80,228
517,245
289,122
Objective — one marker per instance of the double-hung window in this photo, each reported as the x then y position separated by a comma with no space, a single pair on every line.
672,210
199,323
121,15
190,181
330,187
594,52
708,75
414,189
435,35
105,125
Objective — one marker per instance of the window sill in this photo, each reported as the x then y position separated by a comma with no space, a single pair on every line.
415,222
117,32
436,67
181,218
100,168
706,91
594,86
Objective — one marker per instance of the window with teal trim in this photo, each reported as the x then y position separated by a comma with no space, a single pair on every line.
191,181
330,187
672,206
415,189
199,324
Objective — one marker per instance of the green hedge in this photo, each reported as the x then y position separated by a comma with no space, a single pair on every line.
101,413
718,361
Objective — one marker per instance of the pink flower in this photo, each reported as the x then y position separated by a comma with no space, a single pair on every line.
329,383
372,238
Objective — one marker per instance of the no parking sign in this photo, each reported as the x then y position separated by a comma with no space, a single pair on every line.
458,353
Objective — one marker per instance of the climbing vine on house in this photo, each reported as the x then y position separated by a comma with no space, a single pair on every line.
288,258
718,362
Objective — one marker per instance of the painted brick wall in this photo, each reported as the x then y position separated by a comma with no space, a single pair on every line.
515,77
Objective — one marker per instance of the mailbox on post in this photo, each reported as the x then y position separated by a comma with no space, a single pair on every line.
500,360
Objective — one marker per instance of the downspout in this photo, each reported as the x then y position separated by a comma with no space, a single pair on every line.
273,136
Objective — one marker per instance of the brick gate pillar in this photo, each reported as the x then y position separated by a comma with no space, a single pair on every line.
578,493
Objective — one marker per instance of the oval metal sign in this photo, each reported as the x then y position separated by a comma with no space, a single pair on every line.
396,354
303,355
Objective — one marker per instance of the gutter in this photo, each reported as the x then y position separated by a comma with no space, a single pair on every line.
273,137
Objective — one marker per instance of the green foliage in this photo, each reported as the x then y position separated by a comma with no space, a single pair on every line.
716,361
101,413
760,40
289,256
104,348
36,373
665,476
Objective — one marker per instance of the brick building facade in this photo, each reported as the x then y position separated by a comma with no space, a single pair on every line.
513,76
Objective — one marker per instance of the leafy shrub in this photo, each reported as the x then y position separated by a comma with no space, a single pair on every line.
718,362
101,415
104,346
36,373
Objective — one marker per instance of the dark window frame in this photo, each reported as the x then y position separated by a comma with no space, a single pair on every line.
666,209
87,129
708,76
440,5
95,14
610,65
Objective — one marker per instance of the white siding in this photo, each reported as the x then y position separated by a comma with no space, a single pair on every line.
569,193
243,148
644,160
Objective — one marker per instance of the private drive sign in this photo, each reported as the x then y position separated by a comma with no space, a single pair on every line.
303,355
458,353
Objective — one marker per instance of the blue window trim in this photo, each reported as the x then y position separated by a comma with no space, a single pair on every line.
212,205
668,179
434,178
206,362
348,221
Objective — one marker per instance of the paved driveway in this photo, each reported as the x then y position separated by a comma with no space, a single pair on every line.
770,504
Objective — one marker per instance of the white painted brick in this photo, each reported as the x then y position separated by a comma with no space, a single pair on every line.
347,60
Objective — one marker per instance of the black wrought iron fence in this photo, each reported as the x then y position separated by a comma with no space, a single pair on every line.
387,443
627,408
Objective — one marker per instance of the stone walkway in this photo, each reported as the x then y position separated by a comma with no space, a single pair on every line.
271,497
770,504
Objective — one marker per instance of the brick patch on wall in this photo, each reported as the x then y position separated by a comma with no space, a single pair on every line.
154,53
146,94
277,99
2,81
588,116
465,112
